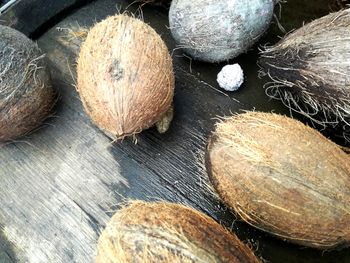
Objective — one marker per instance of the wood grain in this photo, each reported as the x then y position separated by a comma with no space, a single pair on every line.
32,17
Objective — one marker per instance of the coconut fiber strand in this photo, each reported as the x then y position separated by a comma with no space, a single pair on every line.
125,76
282,177
310,69
26,95
164,232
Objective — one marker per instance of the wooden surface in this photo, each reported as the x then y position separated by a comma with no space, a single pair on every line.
32,17
60,185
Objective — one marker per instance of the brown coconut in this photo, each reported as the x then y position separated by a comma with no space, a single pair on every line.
282,177
164,232
26,94
125,76
310,68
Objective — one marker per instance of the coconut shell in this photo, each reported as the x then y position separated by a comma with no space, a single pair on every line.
282,177
216,31
26,94
309,69
125,76
164,232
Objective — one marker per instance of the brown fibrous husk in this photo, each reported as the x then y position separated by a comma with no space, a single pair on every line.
165,232
125,76
282,177
310,68
26,94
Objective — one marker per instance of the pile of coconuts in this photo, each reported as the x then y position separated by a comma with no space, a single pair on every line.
276,173
26,93
276,179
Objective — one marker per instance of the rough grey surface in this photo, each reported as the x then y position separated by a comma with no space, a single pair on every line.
26,94
214,31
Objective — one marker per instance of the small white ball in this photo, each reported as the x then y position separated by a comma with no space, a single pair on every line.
231,77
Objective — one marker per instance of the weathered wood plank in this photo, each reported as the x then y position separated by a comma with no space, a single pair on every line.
60,185
32,17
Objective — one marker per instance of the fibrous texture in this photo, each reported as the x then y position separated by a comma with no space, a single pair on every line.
218,30
310,69
125,76
164,232
282,177
26,95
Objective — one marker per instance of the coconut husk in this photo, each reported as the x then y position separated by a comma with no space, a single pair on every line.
125,76
310,69
26,94
282,177
217,31
164,232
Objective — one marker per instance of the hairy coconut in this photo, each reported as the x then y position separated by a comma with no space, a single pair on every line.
282,177
214,31
125,76
310,69
26,94
164,232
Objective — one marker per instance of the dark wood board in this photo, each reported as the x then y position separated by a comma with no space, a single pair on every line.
32,17
60,185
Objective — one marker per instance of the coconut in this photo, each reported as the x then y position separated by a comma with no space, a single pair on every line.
26,94
164,232
310,68
215,31
125,76
282,177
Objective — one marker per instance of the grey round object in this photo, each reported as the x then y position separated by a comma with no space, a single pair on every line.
218,30
26,94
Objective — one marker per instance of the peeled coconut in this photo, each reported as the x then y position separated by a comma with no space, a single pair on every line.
164,232
282,177
26,94
215,31
125,76
309,69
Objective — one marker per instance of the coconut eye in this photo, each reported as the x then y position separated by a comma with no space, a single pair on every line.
26,95
125,80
